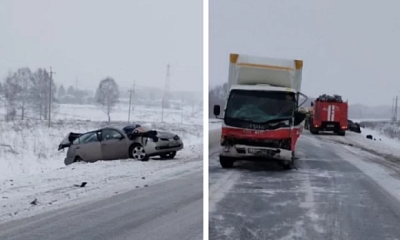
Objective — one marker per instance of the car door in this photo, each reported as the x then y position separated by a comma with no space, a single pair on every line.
89,148
113,145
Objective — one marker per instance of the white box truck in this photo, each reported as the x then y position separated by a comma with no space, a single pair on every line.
261,117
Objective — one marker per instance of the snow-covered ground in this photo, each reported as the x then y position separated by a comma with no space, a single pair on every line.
214,123
381,144
189,115
32,168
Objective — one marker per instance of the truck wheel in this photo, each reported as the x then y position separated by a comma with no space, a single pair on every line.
226,162
286,165
289,165
313,130
342,133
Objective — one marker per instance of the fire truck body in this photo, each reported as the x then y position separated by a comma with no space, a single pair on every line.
328,114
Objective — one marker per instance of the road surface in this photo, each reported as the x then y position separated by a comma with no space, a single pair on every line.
328,197
169,210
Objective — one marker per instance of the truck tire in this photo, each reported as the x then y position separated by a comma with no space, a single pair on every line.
289,165
313,130
226,162
342,133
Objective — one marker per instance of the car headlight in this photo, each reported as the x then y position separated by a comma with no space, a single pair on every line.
176,137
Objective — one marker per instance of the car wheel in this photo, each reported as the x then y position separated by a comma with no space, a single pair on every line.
169,155
137,152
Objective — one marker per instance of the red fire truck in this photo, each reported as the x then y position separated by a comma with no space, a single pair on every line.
329,113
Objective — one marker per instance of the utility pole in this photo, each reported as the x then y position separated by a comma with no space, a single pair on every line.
395,110
131,92
50,94
392,117
166,92
181,111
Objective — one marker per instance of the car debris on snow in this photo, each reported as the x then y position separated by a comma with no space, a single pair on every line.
83,184
34,202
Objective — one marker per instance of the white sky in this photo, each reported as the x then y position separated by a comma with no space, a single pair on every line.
349,47
93,39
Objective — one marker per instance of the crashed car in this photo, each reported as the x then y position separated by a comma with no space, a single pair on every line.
353,126
133,141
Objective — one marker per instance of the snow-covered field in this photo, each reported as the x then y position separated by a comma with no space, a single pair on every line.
381,144
32,168
189,115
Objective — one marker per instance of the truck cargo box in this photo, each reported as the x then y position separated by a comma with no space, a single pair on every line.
251,70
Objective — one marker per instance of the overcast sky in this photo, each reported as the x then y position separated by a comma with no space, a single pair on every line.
349,47
92,39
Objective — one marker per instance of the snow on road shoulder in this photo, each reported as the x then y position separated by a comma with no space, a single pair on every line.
59,188
28,177
382,145
387,178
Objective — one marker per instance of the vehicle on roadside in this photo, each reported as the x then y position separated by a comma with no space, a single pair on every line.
353,126
110,143
261,117
329,113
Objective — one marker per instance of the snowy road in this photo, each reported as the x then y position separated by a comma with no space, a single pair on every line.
338,192
168,210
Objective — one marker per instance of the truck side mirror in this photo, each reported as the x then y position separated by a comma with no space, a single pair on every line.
217,110
312,104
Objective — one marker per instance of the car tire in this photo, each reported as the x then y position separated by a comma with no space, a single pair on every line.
77,159
169,155
136,151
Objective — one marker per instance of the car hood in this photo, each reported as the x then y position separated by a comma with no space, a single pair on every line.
166,135
67,141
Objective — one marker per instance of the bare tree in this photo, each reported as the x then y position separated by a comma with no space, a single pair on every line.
61,92
40,93
107,95
1,93
17,87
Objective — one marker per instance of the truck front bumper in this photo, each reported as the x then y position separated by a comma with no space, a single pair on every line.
245,152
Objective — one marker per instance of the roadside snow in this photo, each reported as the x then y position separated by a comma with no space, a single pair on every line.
383,145
52,184
56,188
382,175
32,168
214,124
188,115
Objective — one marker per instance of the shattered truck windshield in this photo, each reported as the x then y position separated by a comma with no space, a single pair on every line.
260,106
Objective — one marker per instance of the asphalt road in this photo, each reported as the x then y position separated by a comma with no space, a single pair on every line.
326,198
169,210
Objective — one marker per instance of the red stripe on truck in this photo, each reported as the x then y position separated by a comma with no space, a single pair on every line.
281,133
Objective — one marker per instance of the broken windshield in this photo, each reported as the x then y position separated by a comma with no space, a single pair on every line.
260,106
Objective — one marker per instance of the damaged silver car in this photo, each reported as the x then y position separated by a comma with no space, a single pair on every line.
133,141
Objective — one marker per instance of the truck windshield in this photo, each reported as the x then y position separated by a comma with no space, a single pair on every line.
259,106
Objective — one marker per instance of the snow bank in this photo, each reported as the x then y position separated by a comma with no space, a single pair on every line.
57,188
383,145
29,146
32,168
